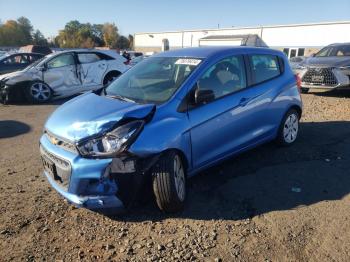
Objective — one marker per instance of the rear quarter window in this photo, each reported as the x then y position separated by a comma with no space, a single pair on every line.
264,67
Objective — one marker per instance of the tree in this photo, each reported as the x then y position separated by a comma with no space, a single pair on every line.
122,42
39,39
26,28
131,42
110,34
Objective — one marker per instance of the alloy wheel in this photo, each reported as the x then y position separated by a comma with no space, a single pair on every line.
179,176
40,91
290,128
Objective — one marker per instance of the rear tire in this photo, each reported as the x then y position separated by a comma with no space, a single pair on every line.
289,128
38,93
169,182
110,77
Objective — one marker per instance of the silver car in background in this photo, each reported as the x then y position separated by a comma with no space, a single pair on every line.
326,70
61,75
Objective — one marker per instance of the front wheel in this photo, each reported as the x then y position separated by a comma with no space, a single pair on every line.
38,92
289,128
169,182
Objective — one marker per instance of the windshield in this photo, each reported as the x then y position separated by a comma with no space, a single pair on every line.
339,50
154,80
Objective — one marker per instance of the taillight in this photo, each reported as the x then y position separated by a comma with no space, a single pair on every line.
298,81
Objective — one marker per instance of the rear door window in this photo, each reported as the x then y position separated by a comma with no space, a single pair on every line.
264,67
86,58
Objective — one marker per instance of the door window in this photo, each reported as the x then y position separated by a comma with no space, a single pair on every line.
85,58
225,77
15,60
60,61
264,67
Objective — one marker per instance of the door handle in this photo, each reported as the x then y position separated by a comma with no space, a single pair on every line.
244,101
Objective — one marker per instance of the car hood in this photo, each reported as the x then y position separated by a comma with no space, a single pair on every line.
328,61
90,114
19,76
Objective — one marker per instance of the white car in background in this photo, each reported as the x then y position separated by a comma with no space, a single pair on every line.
61,75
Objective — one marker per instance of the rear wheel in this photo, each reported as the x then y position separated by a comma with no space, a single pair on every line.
169,182
38,92
289,128
110,77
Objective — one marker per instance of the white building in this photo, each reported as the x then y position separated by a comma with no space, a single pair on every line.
294,40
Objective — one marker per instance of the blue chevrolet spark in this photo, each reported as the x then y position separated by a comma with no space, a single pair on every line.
166,119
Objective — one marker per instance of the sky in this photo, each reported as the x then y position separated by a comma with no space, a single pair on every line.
134,16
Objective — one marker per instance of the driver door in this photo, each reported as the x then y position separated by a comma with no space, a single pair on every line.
62,75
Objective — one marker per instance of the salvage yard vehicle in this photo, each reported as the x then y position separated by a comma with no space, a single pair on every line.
17,61
61,75
166,119
328,69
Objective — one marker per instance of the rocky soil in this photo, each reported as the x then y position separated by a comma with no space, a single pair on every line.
269,204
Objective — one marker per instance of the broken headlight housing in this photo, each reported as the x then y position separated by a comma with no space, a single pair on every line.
112,142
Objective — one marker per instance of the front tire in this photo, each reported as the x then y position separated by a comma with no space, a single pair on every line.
289,128
38,93
169,182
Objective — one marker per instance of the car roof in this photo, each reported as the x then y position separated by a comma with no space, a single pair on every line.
206,52
339,44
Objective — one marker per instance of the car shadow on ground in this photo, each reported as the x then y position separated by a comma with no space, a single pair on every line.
11,128
55,102
268,178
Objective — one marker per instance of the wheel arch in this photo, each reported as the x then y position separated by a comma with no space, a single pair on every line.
111,72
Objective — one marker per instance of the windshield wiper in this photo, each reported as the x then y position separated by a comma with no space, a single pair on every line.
121,98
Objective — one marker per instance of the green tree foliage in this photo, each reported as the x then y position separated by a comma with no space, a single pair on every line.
131,42
39,39
110,35
122,42
20,32
74,35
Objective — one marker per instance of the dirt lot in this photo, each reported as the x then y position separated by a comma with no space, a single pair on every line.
269,204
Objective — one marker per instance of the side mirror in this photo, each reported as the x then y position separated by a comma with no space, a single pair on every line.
313,55
203,96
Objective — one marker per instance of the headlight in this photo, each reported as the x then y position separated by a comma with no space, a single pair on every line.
113,142
345,70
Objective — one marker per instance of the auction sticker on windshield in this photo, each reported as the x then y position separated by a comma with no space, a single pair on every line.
188,61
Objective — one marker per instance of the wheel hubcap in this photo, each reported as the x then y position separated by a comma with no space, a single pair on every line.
290,130
40,91
179,176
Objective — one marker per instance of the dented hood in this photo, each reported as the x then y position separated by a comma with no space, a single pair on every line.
91,114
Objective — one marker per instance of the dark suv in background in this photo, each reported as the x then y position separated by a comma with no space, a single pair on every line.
328,69
18,61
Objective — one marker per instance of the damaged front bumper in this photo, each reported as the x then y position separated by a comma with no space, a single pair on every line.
106,185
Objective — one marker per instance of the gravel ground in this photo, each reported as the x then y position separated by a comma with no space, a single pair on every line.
269,204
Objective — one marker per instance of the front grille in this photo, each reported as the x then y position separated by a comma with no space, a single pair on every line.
62,167
320,77
61,143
